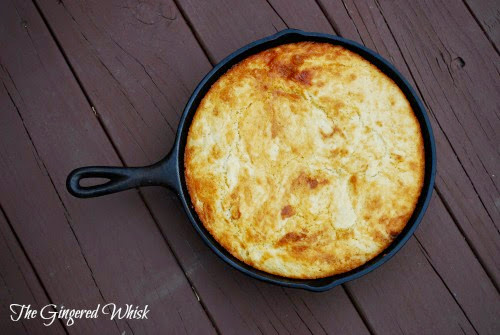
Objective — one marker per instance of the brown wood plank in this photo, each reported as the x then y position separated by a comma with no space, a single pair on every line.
19,285
453,179
290,13
127,76
81,249
487,13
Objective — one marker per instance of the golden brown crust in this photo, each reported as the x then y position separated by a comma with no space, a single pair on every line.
304,160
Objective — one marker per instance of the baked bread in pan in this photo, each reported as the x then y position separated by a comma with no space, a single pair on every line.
304,160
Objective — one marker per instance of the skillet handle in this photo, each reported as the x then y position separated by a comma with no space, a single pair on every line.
162,173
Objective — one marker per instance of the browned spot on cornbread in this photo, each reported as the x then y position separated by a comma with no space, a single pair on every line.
287,212
354,181
305,180
291,237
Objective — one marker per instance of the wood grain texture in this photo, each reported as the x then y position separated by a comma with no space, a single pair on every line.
126,77
19,285
81,249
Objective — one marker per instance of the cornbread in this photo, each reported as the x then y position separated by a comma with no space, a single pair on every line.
304,160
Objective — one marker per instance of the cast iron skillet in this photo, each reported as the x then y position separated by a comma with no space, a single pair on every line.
169,171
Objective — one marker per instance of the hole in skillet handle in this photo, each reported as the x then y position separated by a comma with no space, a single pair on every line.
86,182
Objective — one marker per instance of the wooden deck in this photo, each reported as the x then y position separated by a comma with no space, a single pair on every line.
104,82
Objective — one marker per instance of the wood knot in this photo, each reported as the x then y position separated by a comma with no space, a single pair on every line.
457,63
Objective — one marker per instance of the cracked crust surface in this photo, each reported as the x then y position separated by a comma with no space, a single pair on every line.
304,160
